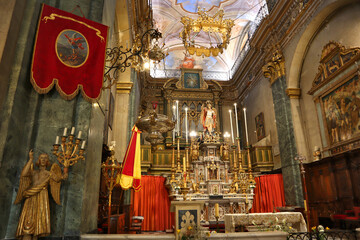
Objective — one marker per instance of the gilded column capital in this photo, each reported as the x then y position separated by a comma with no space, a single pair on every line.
275,67
294,93
124,87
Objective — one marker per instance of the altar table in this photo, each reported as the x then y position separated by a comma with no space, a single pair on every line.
295,218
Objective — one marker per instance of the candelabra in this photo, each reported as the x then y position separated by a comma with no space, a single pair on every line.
251,177
235,170
306,201
110,170
173,167
178,168
240,157
70,152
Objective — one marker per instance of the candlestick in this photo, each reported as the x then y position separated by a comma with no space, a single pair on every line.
186,126
236,120
83,144
184,164
79,135
232,132
217,214
246,131
57,140
72,130
65,132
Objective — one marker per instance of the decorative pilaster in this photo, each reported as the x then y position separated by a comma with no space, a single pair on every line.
124,87
275,71
293,93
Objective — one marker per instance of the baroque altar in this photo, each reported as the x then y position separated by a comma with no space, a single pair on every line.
213,179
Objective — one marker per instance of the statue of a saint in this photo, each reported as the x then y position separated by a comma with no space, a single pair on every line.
208,118
194,153
34,220
225,152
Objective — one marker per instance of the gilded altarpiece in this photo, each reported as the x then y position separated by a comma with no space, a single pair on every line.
192,91
336,91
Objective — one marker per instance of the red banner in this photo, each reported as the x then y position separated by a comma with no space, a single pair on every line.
69,52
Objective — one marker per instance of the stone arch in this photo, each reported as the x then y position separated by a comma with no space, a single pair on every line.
306,39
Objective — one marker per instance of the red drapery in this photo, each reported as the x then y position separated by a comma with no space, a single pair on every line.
152,202
269,193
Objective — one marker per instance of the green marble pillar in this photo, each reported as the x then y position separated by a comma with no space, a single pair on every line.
32,121
287,145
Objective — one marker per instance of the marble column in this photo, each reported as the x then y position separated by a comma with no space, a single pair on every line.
32,121
274,70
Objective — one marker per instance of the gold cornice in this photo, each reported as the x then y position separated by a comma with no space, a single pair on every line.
293,93
124,87
275,68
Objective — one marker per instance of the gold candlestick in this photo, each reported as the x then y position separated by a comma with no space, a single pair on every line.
173,167
235,180
70,152
240,157
178,169
251,177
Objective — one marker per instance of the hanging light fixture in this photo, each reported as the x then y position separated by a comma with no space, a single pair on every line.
207,24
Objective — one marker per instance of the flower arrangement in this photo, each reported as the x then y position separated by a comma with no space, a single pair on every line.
276,225
193,232
320,231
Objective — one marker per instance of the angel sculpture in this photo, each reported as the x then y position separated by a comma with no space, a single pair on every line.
194,151
208,118
34,220
225,152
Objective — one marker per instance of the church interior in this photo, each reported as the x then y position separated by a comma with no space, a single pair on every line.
179,119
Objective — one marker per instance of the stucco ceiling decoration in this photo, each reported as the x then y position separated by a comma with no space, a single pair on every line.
167,16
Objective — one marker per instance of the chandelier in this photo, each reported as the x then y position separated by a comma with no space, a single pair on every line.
207,24
145,48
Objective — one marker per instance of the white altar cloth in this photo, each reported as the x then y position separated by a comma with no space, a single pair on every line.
295,218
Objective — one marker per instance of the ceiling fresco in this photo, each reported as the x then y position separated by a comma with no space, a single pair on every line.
167,15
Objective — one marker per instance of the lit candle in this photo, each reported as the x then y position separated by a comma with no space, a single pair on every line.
83,144
217,214
236,121
79,135
246,131
177,118
232,132
72,130
186,126
174,114
57,140
65,132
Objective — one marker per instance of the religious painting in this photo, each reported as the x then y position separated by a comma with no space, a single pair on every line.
260,128
191,80
72,48
333,64
341,111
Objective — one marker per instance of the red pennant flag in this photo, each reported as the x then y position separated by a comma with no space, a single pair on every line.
69,52
131,172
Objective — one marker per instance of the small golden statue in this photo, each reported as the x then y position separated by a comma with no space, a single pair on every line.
225,152
34,220
194,153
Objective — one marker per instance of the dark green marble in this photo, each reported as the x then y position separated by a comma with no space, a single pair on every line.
287,145
32,121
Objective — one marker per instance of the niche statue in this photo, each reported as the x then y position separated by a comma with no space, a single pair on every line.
34,220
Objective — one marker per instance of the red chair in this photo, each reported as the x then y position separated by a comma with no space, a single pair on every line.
353,218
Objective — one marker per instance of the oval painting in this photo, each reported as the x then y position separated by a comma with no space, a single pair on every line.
72,48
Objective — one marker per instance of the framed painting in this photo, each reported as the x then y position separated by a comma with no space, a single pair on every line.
341,108
260,128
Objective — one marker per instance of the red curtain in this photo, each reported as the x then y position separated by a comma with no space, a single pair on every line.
152,202
269,193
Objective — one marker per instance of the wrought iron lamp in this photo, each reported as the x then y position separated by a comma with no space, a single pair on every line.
144,49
